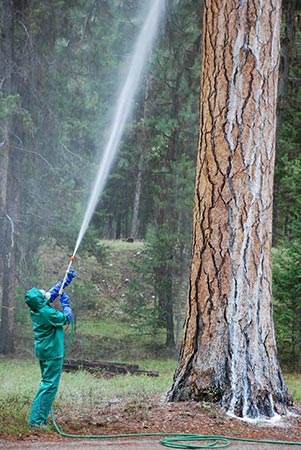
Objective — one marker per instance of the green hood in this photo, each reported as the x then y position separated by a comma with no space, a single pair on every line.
47,326
35,299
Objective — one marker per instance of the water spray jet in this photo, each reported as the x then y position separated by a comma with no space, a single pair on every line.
125,100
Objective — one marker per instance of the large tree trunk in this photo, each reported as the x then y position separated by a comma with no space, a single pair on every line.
229,352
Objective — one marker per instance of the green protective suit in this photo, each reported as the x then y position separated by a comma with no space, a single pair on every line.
48,331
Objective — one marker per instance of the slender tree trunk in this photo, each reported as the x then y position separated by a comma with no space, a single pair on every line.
281,213
137,196
145,150
165,212
164,278
229,352
8,289
7,253
299,340
288,43
118,226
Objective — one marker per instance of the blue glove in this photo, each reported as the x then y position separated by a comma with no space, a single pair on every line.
54,291
70,276
66,308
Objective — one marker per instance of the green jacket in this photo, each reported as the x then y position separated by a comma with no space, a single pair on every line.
47,325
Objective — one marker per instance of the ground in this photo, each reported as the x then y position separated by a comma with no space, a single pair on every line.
155,415
152,415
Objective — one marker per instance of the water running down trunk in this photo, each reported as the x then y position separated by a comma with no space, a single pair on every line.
229,352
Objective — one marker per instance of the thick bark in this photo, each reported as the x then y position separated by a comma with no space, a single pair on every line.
229,352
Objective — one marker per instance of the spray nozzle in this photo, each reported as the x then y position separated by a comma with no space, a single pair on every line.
66,274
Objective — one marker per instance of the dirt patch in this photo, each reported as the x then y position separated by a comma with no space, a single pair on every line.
154,415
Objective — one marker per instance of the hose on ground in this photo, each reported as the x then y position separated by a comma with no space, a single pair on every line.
171,440
177,440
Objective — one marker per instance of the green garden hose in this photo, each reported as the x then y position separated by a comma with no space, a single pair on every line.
178,440
171,440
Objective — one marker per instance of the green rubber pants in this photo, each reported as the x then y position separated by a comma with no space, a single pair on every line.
51,372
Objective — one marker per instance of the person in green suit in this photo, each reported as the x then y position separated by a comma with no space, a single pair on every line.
47,325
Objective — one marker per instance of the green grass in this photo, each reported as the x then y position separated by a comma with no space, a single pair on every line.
122,245
118,330
293,382
103,335
19,380
106,327
111,339
79,391
85,389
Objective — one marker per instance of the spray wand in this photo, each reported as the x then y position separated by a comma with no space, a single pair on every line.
66,274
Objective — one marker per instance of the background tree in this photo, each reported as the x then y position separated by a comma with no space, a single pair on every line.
288,120
159,152
287,219
63,61
51,83
6,216
229,352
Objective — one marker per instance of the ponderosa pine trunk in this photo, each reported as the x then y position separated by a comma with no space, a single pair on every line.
228,352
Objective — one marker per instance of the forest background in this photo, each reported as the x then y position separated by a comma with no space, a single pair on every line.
64,62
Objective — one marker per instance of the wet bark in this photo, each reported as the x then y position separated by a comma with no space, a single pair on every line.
229,353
